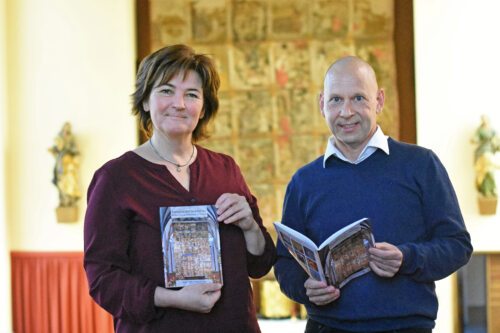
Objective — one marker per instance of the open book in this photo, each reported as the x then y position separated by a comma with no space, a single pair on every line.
339,259
191,245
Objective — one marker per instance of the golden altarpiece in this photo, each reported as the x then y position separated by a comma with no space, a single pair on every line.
272,56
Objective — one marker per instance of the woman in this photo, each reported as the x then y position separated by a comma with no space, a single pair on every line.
175,98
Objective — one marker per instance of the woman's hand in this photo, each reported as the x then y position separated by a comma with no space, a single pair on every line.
234,209
197,298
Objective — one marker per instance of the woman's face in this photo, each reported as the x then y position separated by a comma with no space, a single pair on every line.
176,106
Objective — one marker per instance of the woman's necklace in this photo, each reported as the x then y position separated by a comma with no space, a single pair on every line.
177,165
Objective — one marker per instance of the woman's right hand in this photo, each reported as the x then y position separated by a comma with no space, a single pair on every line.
196,298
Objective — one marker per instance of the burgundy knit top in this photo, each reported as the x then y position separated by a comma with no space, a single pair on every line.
123,252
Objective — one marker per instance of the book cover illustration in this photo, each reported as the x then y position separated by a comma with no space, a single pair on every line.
340,258
191,245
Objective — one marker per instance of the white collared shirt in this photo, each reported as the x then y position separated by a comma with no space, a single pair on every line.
377,141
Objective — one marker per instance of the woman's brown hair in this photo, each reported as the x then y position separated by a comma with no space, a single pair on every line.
160,67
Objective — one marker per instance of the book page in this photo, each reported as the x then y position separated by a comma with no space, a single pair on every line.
348,257
303,250
343,233
191,245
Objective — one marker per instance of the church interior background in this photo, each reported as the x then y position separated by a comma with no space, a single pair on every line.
75,61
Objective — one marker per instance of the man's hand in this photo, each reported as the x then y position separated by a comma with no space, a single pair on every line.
320,293
385,259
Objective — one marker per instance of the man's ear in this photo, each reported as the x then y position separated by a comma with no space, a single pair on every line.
380,100
321,103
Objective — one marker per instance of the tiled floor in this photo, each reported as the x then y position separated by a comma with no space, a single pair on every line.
282,325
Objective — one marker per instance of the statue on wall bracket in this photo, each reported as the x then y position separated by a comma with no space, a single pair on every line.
488,144
65,174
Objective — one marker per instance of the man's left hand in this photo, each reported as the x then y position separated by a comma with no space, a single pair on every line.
385,259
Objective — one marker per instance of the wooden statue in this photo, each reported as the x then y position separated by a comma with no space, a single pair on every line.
488,144
65,173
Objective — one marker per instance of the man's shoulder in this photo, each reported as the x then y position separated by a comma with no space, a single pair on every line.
310,168
405,148
413,156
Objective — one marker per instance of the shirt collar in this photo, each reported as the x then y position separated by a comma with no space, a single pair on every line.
377,141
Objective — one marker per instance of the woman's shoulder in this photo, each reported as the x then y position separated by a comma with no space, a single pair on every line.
215,158
125,158
124,163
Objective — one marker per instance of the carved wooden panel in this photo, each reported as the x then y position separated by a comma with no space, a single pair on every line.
272,56
493,292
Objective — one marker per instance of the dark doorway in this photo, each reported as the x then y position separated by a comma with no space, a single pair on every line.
472,282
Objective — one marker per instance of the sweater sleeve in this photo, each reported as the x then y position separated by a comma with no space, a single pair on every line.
106,241
290,275
448,245
260,265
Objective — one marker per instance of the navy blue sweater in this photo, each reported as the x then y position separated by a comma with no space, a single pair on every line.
411,203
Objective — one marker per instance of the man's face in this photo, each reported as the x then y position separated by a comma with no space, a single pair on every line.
350,103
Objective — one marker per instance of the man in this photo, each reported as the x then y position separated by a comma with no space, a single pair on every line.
404,190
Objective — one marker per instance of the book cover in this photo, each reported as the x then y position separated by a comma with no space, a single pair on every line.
191,245
342,257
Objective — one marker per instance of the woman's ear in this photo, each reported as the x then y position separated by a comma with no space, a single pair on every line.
145,106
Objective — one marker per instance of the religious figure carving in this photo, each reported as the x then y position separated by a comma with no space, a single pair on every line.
488,144
65,176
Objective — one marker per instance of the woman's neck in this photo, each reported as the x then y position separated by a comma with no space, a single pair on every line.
176,150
